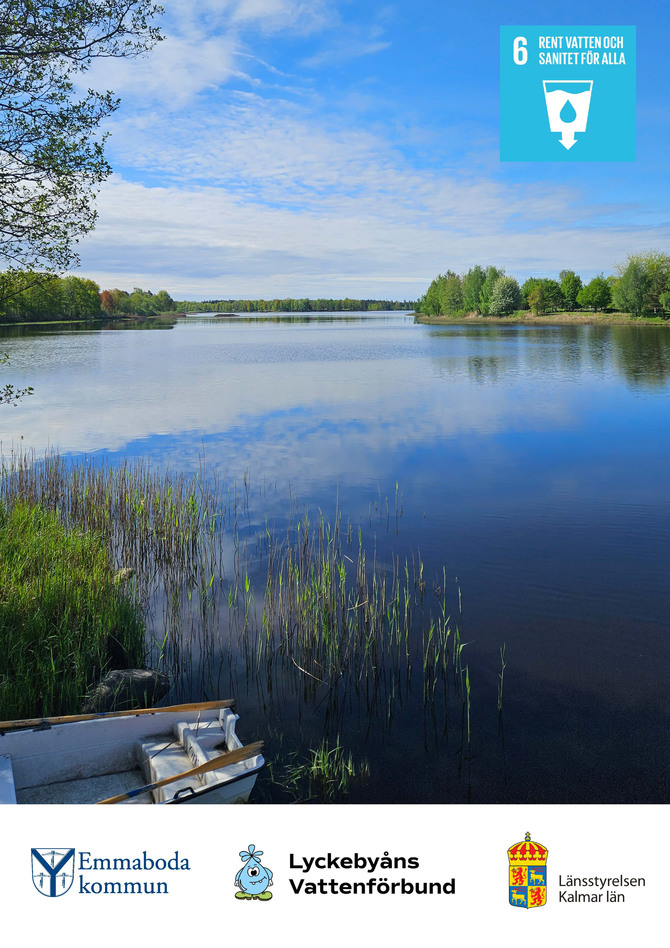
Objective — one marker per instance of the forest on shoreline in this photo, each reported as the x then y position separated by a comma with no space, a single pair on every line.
27,297
640,286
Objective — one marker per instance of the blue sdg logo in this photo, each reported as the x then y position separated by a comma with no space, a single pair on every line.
53,871
567,93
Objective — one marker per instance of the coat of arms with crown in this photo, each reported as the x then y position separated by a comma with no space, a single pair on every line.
527,874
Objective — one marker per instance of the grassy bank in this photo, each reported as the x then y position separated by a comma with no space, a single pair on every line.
63,620
553,319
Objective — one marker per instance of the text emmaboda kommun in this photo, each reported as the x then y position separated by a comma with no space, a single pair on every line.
373,885
145,863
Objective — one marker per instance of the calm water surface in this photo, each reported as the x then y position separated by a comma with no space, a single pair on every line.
532,466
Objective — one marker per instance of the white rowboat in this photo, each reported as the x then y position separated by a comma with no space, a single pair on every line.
184,753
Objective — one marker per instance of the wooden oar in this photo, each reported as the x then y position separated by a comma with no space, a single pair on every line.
72,718
232,757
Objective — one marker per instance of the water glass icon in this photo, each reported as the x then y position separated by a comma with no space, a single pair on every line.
568,104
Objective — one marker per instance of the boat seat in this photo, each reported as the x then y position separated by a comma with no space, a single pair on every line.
166,759
213,738
191,747
7,789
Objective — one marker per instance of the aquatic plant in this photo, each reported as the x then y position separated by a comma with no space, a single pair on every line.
300,612
326,774
501,676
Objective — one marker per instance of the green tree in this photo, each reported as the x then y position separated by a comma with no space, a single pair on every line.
505,296
596,294
434,301
657,266
542,295
143,303
121,302
527,289
165,302
571,284
492,274
473,281
80,298
553,294
51,153
535,295
451,293
630,290
429,303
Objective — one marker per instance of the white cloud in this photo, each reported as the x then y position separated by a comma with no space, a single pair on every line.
231,185
208,242
301,16
344,50
177,70
203,49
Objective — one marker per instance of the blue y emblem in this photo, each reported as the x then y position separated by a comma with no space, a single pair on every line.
253,879
50,871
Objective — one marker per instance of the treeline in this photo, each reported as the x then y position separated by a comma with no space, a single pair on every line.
640,286
26,296
33,297
292,306
138,303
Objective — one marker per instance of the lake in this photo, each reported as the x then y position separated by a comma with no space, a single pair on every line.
526,466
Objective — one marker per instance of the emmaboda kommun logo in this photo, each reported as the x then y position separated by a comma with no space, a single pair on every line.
527,874
53,871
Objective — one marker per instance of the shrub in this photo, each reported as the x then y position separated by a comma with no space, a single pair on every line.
505,296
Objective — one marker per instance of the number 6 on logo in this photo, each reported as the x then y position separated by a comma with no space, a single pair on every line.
520,51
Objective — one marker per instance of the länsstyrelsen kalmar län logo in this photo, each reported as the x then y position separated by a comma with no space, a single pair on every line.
253,878
53,871
527,874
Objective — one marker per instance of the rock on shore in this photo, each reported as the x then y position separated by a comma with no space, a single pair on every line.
126,688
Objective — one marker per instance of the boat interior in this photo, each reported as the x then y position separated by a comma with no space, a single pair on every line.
120,762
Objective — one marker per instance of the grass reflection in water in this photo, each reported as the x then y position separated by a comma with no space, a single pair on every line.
333,631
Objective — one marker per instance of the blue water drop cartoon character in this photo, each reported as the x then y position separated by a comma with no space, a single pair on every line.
253,878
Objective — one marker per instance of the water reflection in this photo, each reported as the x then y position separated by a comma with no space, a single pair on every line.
529,463
642,355
638,354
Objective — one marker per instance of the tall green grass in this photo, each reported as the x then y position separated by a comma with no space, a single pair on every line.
63,620
301,612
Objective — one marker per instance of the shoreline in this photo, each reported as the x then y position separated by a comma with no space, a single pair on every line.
89,319
555,319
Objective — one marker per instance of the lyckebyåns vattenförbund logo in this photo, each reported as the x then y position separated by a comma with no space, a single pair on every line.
253,879
567,93
53,871
527,874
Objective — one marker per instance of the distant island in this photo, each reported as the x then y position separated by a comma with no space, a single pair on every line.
289,305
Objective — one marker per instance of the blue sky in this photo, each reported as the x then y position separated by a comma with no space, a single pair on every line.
350,148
